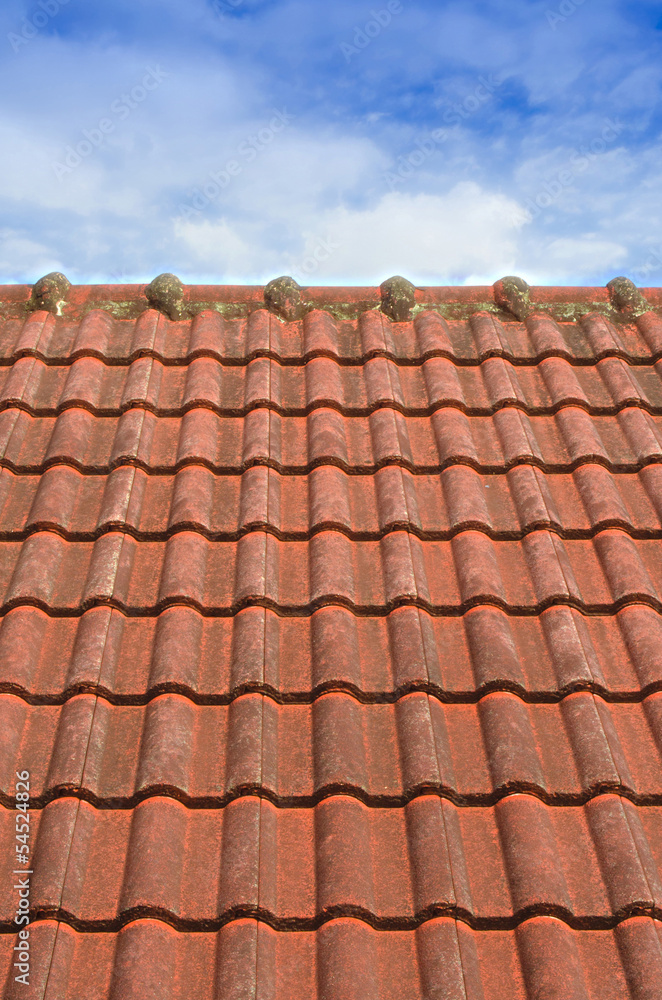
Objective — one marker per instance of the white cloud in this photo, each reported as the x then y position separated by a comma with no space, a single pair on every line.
578,256
431,239
215,251
19,254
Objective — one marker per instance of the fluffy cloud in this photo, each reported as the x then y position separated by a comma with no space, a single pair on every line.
433,239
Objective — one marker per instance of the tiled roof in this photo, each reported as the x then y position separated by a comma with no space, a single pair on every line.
331,637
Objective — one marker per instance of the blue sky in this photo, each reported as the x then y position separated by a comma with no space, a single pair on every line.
235,140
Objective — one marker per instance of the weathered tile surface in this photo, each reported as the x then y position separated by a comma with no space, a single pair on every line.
334,650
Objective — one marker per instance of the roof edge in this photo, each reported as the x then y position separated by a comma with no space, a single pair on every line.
127,301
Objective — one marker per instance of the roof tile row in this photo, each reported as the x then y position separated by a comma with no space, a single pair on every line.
480,390
541,958
221,577
561,442
463,341
434,506
595,864
215,659
384,753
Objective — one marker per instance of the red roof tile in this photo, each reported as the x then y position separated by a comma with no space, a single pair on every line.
333,644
